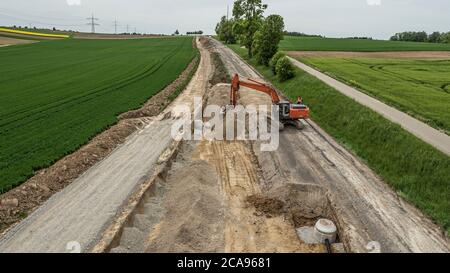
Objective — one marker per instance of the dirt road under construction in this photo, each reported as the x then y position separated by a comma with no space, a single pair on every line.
154,194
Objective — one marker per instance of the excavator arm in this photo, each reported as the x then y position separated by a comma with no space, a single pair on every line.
236,83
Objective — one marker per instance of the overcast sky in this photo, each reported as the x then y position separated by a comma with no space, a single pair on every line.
333,18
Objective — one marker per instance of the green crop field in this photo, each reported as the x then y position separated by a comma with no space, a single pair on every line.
420,88
416,170
291,43
56,95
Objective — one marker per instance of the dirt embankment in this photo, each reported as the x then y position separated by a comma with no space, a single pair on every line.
16,204
432,55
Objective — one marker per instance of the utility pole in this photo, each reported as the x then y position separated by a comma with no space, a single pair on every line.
135,31
92,23
115,26
228,11
128,28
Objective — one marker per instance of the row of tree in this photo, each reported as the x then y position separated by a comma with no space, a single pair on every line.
198,32
260,35
301,34
422,36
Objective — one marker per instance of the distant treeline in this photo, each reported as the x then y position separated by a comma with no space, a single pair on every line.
199,32
300,34
360,38
422,36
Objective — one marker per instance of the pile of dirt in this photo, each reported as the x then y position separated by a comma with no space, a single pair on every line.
268,206
19,202
220,71
194,219
303,204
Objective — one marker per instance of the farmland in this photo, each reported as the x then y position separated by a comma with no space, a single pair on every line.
417,87
416,171
291,43
32,33
56,95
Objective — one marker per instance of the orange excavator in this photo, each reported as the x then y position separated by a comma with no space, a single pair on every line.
290,113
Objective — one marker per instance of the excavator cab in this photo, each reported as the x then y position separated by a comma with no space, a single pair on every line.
285,110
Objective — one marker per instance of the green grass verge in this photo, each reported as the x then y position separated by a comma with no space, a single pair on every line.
420,88
417,171
291,43
56,95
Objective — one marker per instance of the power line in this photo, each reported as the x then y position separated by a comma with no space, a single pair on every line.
115,26
92,23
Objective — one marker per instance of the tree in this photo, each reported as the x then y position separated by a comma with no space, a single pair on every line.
273,62
285,70
434,37
177,32
248,16
410,36
266,39
445,38
224,30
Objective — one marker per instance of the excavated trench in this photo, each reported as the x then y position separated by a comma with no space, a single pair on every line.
212,198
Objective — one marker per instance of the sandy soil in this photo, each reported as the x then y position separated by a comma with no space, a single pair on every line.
38,189
436,55
6,41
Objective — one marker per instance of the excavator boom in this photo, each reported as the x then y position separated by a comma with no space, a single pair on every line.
252,84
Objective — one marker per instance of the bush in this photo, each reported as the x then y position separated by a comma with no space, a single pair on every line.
273,62
284,69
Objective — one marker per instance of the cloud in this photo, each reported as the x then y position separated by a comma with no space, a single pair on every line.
374,2
74,2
